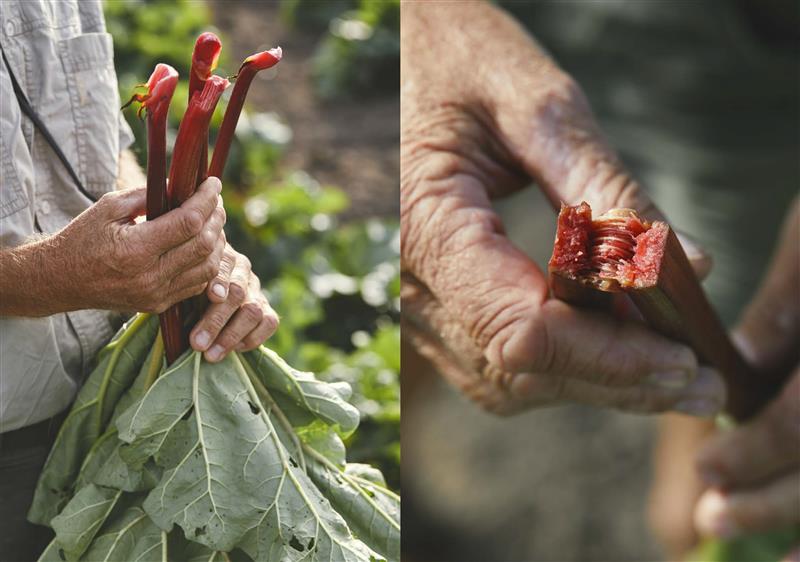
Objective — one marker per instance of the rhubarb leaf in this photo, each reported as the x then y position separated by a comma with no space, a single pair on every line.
229,480
82,517
129,536
318,397
119,364
360,495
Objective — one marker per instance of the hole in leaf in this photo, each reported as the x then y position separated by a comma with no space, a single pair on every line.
311,544
296,544
61,554
188,413
200,531
293,462
253,408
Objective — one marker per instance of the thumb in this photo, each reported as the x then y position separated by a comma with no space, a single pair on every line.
454,243
769,329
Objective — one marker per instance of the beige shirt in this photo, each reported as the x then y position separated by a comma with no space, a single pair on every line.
63,60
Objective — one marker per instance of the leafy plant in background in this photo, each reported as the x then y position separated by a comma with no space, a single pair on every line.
336,286
360,53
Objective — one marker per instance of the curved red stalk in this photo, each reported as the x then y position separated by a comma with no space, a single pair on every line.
247,71
204,60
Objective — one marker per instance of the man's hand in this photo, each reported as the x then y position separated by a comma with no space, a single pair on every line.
239,317
754,470
483,112
104,260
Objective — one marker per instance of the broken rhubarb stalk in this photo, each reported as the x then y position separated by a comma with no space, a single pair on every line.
204,61
249,68
160,88
618,252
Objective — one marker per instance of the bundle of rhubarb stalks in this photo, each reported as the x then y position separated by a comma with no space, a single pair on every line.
167,457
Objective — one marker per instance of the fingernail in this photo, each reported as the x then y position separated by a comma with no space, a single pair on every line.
202,339
674,379
219,290
701,407
704,396
215,353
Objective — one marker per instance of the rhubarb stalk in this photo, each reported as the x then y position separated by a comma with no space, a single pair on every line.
248,70
620,253
160,89
192,135
204,60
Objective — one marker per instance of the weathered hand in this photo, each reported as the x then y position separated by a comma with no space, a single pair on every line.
483,112
239,316
108,261
754,470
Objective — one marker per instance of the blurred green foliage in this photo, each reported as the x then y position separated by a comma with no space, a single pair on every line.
335,285
764,547
359,54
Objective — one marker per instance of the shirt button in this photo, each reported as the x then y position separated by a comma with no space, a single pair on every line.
44,208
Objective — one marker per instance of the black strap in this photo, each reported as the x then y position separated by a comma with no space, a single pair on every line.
28,110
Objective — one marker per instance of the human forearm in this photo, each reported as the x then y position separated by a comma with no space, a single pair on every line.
34,280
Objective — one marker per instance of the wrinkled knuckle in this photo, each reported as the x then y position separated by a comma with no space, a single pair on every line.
209,270
192,221
205,242
252,312
220,215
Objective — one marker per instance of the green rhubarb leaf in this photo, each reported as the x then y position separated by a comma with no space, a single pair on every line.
119,364
359,494
318,397
116,473
324,441
130,536
230,480
146,424
82,517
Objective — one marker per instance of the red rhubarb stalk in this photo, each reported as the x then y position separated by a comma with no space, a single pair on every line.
619,252
192,135
204,61
248,70
160,89
191,139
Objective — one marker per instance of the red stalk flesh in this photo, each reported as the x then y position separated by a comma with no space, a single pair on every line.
204,60
248,70
619,253
192,135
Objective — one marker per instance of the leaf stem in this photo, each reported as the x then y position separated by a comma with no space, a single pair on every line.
264,394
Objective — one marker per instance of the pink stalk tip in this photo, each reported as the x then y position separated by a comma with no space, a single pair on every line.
264,59
161,83
206,54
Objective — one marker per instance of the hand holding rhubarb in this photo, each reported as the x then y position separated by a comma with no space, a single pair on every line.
473,303
239,317
104,260
754,469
